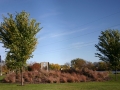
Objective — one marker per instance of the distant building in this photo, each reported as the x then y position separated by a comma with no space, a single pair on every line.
45,66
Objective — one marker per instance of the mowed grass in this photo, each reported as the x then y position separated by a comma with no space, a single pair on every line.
108,85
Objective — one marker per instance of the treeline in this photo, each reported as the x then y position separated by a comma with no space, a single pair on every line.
76,64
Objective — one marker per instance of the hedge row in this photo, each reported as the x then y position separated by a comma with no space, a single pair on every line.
83,75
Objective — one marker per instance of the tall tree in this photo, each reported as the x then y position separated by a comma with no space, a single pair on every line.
18,34
109,47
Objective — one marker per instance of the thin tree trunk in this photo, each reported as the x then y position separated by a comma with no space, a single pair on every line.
115,73
21,76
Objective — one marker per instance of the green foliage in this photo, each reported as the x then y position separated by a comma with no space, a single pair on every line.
66,66
18,34
109,47
2,77
90,65
78,63
102,66
54,66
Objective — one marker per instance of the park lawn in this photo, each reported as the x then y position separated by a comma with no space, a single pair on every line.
107,85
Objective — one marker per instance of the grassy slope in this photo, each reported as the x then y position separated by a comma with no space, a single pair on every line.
109,85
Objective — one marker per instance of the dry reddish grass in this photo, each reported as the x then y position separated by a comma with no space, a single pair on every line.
42,76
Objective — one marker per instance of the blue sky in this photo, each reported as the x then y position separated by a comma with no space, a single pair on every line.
70,27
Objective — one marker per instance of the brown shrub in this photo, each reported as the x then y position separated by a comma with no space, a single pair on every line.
6,80
10,78
50,79
99,79
57,76
79,77
83,78
27,79
44,73
58,73
58,80
36,80
30,74
71,79
106,74
19,80
95,76
76,77
63,79
100,74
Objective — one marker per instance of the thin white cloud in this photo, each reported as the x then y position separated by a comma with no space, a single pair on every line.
67,33
59,34
41,38
79,45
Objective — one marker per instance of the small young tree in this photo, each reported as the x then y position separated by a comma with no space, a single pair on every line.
18,34
109,47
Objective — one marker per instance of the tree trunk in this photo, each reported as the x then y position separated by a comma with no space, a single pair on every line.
21,76
115,73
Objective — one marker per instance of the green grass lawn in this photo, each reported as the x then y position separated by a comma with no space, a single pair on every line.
108,85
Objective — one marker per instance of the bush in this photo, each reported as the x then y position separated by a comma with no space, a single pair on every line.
83,75
11,78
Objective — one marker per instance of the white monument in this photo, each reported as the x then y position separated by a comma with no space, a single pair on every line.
45,65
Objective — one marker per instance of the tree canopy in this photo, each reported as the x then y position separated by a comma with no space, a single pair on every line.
78,63
18,34
109,47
